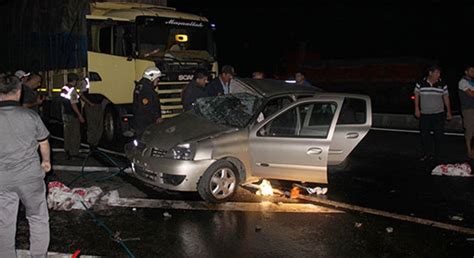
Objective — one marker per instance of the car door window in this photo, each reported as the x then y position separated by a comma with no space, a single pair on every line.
273,106
311,120
317,119
239,87
353,111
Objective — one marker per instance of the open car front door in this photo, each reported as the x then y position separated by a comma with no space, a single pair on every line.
293,143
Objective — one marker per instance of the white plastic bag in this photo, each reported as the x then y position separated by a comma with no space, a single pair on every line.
458,169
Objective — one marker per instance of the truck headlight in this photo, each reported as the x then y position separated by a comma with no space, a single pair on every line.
182,151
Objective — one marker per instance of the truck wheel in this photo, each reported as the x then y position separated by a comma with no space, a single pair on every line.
111,125
219,183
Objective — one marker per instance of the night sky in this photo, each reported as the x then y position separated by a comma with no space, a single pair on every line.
257,35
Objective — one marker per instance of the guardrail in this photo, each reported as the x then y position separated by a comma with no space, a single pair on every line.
408,121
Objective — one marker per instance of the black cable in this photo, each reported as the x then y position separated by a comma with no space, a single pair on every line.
108,230
88,210
107,157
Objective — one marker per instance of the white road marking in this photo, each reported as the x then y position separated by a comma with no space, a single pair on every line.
409,131
26,254
390,215
85,145
227,206
89,168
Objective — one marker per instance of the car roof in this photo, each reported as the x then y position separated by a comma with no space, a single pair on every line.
272,87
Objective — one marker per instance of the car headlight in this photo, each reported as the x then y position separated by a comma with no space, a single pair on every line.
182,151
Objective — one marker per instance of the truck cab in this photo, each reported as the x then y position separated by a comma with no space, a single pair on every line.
123,39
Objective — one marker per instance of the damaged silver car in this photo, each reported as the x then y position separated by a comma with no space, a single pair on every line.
263,129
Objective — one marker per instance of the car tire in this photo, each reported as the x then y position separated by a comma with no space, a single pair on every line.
219,183
111,125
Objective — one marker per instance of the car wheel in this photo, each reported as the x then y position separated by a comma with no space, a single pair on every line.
219,183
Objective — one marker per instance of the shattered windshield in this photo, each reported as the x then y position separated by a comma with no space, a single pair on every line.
234,110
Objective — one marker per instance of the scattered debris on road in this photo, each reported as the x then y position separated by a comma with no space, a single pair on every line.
111,197
357,224
315,190
61,197
458,169
295,191
167,215
456,218
265,188
257,187
389,229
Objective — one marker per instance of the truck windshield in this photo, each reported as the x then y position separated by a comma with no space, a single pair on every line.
234,110
160,35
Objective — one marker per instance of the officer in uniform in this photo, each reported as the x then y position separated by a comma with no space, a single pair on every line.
72,117
94,114
146,102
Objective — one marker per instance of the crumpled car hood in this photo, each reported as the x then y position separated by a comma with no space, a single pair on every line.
180,129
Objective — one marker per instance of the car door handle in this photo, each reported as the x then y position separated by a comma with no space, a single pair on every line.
314,151
352,135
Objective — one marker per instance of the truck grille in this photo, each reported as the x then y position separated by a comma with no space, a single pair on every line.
170,98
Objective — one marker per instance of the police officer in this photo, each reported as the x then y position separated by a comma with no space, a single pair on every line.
146,103
94,114
72,117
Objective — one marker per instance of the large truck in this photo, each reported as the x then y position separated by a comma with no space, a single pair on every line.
112,44
388,81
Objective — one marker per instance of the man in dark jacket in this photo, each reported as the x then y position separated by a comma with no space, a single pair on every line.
221,84
146,102
194,90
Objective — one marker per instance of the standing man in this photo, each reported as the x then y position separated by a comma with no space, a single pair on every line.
431,96
146,102
72,117
301,79
466,97
258,75
194,90
94,114
29,97
221,84
22,75
21,173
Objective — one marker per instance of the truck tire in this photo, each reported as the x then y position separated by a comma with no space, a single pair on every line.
111,125
219,183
